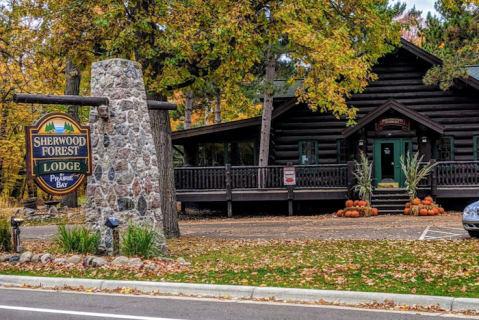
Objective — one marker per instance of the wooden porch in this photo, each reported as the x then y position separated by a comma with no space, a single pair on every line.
452,179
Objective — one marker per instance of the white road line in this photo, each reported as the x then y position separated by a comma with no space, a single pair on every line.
81,313
423,235
462,229
437,231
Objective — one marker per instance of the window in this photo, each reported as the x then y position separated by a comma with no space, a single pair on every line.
308,152
476,148
219,154
444,150
345,151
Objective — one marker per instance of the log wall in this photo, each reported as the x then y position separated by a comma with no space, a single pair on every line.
399,77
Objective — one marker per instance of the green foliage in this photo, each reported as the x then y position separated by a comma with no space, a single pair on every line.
453,37
5,236
363,174
78,240
139,241
411,166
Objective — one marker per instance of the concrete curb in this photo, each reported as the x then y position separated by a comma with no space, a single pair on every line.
342,297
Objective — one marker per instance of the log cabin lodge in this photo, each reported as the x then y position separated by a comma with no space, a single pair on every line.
397,113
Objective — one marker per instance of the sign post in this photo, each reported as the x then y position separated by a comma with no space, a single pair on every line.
58,153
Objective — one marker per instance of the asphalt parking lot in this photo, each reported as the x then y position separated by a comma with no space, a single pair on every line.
399,227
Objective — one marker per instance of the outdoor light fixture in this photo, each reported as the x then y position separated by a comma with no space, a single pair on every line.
112,222
16,223
424,139
361,143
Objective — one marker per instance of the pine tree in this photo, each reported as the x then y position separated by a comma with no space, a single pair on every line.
454,38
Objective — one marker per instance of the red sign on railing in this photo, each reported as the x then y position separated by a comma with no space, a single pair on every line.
289,174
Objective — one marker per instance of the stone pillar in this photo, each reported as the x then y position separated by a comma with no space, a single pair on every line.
125,180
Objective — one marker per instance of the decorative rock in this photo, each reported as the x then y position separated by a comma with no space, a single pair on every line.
64,208
46,258
14,259
142,206
98,262
88,260
111,174
53,211
151,267
28,211
125,204
71,215
183,262
74,259
135,262
120,261
5,257
26,257
59,260
106,140
36,257
98,172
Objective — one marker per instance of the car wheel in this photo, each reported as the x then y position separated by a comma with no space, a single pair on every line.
473,233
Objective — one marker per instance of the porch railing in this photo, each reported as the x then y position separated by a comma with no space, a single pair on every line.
253,177
457,173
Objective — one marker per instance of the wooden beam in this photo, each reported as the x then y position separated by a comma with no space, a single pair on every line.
83,101
66,100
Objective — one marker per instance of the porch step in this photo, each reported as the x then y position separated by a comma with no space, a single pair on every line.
389,200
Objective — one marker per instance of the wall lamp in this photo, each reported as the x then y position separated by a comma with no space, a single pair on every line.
423,139
361,143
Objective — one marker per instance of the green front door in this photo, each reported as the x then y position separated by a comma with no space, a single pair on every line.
387,153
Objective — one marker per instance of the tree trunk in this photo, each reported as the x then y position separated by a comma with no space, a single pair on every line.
72,87
267,113
218,107
188,109
161,130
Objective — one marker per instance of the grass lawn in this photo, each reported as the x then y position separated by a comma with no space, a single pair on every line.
444,268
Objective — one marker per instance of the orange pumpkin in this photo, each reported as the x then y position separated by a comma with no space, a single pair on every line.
408,205
426,202
430,213
441,210
340,213
375,211
406,211
431,200
416,201
354,214
436,212
348,214
362,203
349,203
356,202
423,212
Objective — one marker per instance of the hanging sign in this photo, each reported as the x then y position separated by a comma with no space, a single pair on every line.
289,175
400,122
58,153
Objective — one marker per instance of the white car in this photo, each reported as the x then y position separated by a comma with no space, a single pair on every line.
470,219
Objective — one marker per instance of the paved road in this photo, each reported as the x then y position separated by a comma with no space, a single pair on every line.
318,227
20,304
